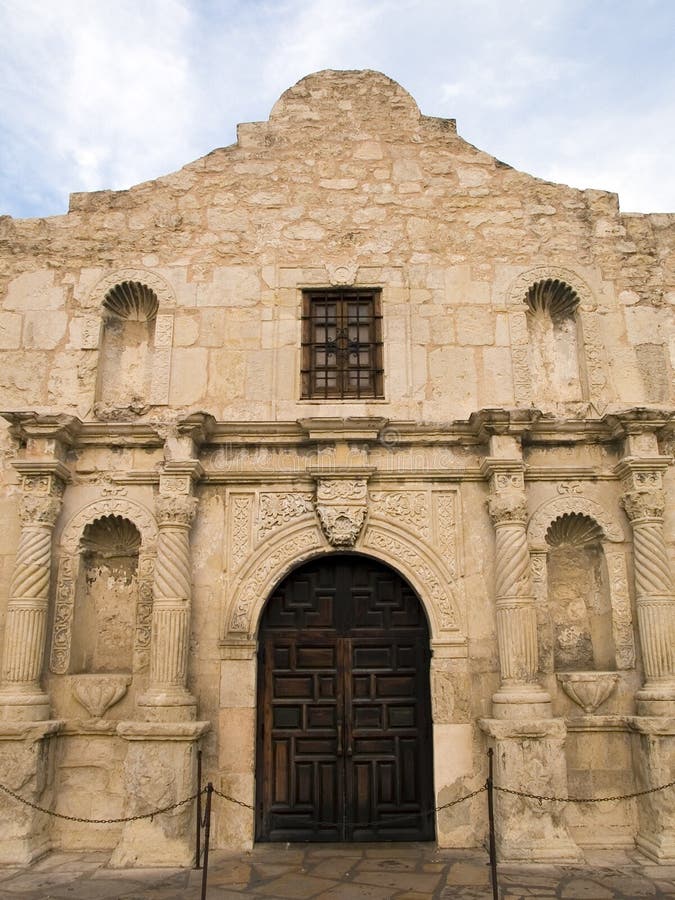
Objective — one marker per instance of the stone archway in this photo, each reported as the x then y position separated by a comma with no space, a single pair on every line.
343,706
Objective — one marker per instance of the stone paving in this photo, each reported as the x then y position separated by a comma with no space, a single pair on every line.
341,872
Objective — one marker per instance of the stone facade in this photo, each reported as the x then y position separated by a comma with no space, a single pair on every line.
162,474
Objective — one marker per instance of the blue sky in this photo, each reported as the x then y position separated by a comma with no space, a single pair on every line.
96,94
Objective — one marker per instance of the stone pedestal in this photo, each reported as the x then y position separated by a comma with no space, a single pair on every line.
654,764
26,768
160,769
529,756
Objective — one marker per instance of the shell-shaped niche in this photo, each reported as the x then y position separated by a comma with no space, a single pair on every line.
553,297
573,529
111,536
133,301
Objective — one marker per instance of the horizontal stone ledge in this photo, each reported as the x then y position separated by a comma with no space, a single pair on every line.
162,731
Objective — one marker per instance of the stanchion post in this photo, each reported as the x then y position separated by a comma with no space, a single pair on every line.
491,820
207,833
198,835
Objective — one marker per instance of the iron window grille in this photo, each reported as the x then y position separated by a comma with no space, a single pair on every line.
341,344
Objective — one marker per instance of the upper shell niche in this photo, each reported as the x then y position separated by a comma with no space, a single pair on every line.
132,300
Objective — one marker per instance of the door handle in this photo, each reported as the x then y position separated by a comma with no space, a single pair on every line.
350,749
339,738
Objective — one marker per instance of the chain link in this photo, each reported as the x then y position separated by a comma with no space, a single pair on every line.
164,809
541,797
57,815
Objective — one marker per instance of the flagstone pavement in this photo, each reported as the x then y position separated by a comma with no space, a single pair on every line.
342,872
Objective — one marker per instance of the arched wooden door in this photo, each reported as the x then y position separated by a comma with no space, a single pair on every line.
344,722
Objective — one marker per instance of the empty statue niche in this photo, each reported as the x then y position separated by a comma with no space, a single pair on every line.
107,591
554,341
127,345
579,598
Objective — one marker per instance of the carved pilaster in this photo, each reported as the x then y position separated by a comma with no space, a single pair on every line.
167,697
21,696
519,694
644,503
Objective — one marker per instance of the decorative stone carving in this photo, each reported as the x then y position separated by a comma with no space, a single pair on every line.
404,556
341,508
241,511
404,507
69,563
568,505
97,693
270,563
448,530
279,509
341,525
342,273
156,283
644,502
589,690
622,618
175,509
519,694
26,622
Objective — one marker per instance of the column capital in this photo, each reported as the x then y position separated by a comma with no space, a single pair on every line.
642,472
508,507
644,504
175,509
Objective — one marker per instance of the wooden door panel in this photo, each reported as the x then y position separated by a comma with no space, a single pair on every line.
344,711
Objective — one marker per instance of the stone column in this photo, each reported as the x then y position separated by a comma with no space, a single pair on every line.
654,748
644,502
167,697
519,694
21,696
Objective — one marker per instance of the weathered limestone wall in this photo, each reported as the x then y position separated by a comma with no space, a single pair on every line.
502,440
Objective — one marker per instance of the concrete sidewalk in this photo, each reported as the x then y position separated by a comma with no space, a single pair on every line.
341,872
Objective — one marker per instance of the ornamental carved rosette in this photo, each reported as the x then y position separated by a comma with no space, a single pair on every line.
341,506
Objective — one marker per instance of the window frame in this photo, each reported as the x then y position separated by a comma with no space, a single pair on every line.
348,376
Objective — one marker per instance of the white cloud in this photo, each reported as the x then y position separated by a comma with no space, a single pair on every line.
95,94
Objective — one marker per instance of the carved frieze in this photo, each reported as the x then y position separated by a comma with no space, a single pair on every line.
240,522
277,509
409,508
622,618
448,530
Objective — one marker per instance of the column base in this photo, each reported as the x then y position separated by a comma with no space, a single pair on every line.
654,759
529,757
527,701
160,769
30,704
656,699
25,767
168,705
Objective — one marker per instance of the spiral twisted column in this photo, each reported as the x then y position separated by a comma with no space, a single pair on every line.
21,696
655,597
519,694
167,697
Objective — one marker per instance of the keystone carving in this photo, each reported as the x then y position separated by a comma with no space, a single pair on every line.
341,505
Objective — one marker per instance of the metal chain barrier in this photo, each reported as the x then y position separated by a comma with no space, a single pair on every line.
541,797
57,815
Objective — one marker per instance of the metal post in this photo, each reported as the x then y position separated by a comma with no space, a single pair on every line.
207,832
491,819
198,835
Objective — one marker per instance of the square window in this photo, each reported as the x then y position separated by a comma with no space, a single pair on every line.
341,344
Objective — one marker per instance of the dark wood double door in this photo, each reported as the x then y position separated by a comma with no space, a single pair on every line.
344,726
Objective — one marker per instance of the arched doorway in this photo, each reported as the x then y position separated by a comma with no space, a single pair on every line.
344,746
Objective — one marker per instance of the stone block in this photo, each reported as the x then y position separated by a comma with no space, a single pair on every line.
475,325
10,331
44,330
34,290
188,375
